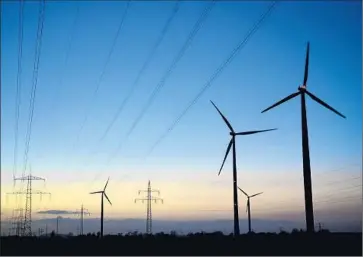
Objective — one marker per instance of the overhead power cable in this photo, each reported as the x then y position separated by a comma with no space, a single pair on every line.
272,207
18,86
38,44
142,70
216,74
69,47
35,81
103,71
177,58
18,103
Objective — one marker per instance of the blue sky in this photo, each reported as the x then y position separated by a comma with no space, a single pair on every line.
268,68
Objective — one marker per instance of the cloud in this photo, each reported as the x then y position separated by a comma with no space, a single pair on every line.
58,212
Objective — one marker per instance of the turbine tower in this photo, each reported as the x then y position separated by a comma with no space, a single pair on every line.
309,211
233,143
103,194
248,207
149,200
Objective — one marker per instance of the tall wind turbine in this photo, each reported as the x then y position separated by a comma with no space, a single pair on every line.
309,211
248,207
233,143
103,194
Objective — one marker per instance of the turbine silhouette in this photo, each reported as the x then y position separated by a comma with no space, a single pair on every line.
309,211
248,207
233,143
103,194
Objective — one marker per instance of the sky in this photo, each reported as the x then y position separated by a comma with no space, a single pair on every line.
76,42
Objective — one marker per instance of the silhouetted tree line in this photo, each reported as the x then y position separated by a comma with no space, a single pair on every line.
297,242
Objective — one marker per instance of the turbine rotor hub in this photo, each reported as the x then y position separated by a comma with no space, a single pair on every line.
232,133
302,88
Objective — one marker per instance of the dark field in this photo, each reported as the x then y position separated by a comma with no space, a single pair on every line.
342,244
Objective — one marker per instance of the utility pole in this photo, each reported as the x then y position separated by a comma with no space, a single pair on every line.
149,198
320,225
82,213
24,227
58,217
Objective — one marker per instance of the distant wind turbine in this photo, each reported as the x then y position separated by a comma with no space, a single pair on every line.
103,194
233,143
248,207
309,211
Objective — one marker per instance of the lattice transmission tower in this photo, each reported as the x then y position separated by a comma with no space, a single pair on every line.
149,199
82,213
16,221
25,222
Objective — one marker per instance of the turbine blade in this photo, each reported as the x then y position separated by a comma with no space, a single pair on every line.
282,101
106,184
306,65
324,104
97,192
107,198
256,194
243,191
248,203
224,118
253,132
225,157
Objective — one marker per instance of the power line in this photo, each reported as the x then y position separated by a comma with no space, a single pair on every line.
144,67
216,74
18,85
331,201
103,72
339,181
177,58
41,16
328,200
35,80
16,214
69,46
280,184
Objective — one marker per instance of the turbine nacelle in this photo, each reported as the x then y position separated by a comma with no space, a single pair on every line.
302,88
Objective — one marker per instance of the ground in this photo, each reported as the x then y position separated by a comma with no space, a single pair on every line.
337,244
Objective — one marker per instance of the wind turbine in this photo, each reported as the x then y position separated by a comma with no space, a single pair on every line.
309,211
103,194
248,207
233,143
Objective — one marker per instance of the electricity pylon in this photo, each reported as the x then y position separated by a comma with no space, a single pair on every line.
149,198
16,223
16,218
82,213
25,223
